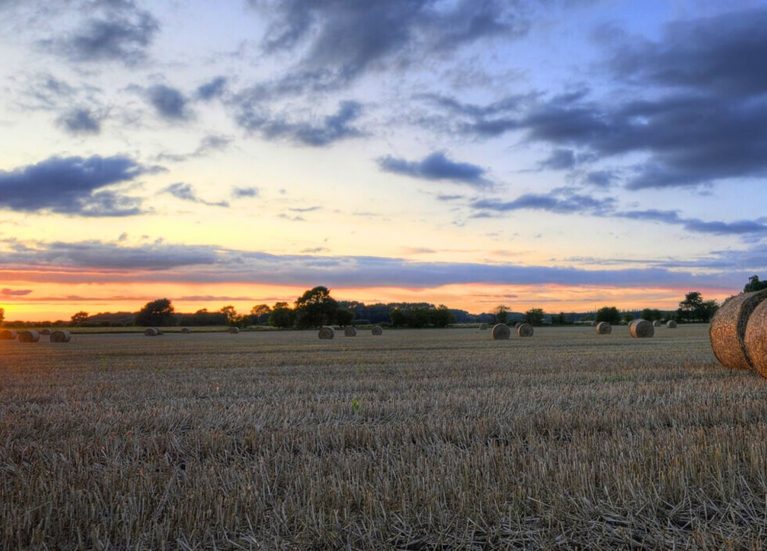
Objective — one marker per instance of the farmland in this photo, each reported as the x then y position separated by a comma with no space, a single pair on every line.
415,439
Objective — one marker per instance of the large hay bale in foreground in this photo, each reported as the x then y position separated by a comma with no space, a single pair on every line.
29,336
7,335
671,324
151,332
483,327
233,330
641,329
755,339
350,331
377,331
728,329
61,336
501,332
603,328
525,330
326,333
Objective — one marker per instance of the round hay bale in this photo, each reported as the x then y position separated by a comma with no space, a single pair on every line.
728,329
671,324
525,330
377,331
518,323
641,329
186,330
151,332
7,335
656,323
594,323
755,339
61,336
233,330
327,333
603,328
29,336
483,327
45,331
350,331
501,332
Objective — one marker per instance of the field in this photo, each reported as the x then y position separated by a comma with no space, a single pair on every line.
415,440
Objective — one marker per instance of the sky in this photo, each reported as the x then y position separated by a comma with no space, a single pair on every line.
562,154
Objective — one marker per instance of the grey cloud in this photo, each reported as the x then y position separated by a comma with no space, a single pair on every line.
244,192
168,102
208,145
567,204
559,159
80,121
15,292
186,192
212,89
436,166
72,185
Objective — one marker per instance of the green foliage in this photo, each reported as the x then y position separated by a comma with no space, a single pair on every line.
282,315
344,317
693,308
534,317
156,313
502,314
79,318
316,308
356,405
610,314
754,284
232,318
421,315
651,314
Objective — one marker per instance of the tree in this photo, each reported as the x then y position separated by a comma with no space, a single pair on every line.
158,312
754,284
651,314
534,316
79,318
441,316
344,317
2,315
502,314
610,314
282,315
316,308
260,313
694,308
231,314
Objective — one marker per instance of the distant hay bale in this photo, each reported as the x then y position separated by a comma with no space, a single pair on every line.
755,339
656,323
350,331
603,328
483,327
501,331
728,329
594,323
186,330
327,333
641,329
525,330
45,331
152,332
518,323
377,330
671,324
7,335
233,330
61,336
29,336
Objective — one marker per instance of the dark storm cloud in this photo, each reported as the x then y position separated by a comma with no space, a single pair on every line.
332,128
168,102
118,31
72,185
186,192
202,264
80,121
436,167
347,39
212,89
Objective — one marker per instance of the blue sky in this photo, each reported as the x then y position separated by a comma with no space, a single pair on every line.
561,153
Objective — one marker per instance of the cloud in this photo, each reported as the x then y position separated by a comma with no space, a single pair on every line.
330,129
208,144
80,121
15,292
567,204
559,159
168,102
106,262
186,192
120,32
72,185
212,89
244,192
436,166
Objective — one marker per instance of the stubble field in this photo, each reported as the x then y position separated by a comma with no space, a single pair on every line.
415,440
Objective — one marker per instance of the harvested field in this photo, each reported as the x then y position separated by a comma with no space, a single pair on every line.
412,439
